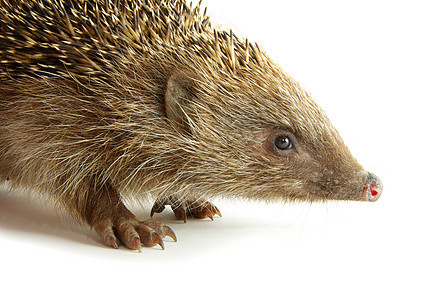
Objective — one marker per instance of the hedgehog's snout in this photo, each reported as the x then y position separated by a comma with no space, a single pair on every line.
372,188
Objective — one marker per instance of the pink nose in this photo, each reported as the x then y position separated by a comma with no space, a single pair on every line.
372,188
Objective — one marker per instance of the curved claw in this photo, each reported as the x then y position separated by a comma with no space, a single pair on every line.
169,232
157,208
111,241
216,211
134,244
139,246
161,244
207,213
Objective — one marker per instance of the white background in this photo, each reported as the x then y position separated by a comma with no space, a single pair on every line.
380,70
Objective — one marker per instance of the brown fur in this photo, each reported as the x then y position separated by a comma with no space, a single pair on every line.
159,102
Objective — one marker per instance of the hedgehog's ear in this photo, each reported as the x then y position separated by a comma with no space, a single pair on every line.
178,96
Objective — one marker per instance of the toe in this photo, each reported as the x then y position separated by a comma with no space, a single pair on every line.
180,213
204,209
202,213
129,236
105,230
150,237
161,229
111,241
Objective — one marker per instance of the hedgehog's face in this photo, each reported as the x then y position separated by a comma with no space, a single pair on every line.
301,170
265,143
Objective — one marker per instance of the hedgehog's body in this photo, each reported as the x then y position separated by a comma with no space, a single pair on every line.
101,97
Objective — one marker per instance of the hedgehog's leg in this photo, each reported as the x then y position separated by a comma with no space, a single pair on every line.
103,210
198,209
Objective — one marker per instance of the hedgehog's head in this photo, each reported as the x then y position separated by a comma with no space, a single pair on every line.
258,134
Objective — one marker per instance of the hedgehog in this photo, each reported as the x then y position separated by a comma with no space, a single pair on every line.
105,98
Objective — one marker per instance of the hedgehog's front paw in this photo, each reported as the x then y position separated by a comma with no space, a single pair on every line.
133,233
198,209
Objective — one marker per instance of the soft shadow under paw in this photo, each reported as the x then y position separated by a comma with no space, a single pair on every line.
23,215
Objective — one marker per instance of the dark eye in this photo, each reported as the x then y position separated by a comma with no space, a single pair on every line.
283,142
